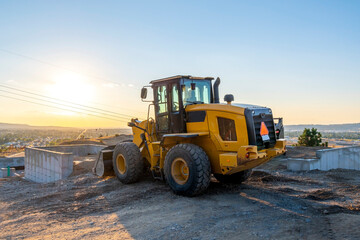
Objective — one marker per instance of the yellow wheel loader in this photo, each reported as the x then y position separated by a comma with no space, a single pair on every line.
192,137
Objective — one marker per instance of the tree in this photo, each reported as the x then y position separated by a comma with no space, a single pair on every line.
310,138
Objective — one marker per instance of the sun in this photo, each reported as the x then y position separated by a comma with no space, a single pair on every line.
71,87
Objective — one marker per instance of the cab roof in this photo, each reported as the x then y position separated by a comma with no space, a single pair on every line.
180,77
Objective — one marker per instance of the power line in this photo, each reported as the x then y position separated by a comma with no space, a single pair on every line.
59,100
34,92
65,68
17,94
116,107
54,65
19,99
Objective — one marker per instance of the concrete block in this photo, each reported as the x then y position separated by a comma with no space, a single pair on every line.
301,164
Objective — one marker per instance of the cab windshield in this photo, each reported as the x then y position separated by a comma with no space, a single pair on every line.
196,92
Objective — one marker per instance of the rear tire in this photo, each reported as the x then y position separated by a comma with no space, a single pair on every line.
235,178
187,169
127,162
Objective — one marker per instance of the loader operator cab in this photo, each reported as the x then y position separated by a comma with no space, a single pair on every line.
172,95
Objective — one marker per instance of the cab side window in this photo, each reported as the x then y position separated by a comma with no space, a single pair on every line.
161,97
227,129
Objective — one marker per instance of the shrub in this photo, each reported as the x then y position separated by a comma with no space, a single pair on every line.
310,138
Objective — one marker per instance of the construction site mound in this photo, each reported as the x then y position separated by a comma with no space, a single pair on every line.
108,140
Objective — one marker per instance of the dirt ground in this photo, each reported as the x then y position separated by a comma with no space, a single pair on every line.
273,204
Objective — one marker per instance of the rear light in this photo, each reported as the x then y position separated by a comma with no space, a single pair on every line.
247,155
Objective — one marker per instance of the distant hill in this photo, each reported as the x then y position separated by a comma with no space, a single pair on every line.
348,127
29,127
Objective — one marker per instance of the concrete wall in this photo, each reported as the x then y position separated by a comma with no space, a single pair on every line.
11,162
45,166
49,164
346,158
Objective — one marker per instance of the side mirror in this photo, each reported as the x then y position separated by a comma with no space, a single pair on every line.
143,93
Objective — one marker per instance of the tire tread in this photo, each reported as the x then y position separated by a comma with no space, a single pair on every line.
202,165
134,163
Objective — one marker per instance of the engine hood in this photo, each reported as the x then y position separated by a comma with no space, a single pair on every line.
216,107
238,108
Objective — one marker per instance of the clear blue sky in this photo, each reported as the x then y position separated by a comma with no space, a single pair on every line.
301,58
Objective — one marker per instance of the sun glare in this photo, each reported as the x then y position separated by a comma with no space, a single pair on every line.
71,87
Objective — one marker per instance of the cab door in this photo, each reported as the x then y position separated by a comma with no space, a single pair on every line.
161,110
176,118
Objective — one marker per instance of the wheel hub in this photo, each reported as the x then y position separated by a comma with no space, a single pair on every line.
180,171
120,163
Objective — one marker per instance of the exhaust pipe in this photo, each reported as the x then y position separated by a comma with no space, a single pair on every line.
216,90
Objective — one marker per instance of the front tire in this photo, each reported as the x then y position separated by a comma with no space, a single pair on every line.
235,178
127,162
187,169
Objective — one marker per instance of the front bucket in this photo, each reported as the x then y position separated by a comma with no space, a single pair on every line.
103,165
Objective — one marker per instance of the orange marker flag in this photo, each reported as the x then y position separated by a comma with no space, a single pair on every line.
263,129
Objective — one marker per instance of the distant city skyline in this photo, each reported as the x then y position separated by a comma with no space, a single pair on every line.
300,58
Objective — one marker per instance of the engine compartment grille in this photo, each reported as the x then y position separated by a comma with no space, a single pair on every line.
254,117
269,123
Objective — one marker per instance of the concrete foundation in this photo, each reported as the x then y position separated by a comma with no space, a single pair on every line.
5,172
301,164
49,164
345,158
76,150
12,162
44,166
